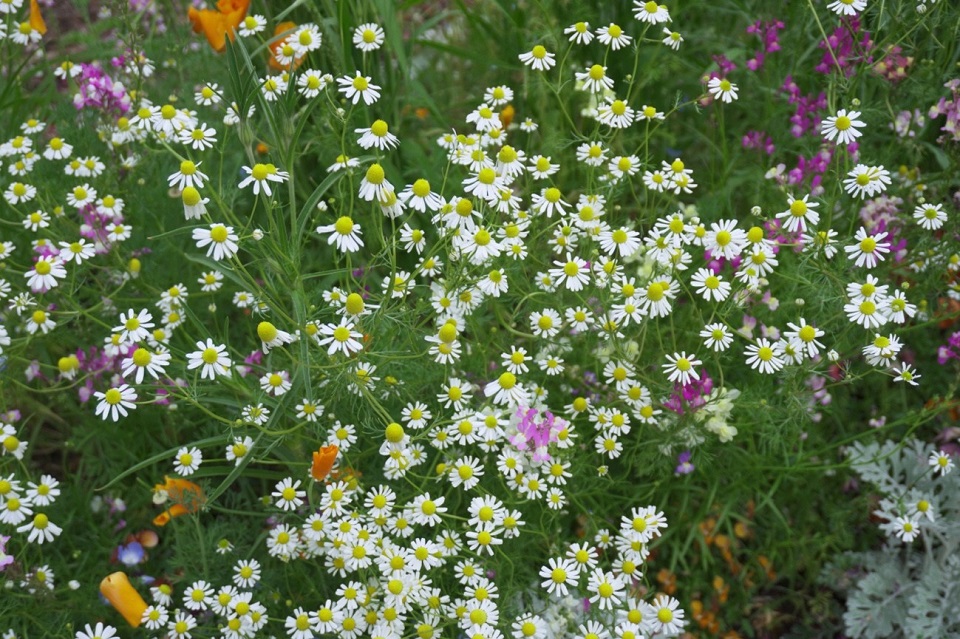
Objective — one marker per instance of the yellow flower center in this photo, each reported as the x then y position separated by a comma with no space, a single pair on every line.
219,234
375,174
344,225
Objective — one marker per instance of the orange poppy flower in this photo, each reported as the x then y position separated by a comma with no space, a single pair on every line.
220,24
36,18
323,461
124,597
187,497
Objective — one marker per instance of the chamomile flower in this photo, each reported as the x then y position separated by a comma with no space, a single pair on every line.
115,402
615,113
272,337
181,625
36,221
199,138
821,241
143,361
311,82
867,313
342,338
681,368
559,575
100,631
724,239
368,37
622,166
377,135
210,281
260,176
899,308
210,94
847,7
419,197
613,36
275,384
57,149
717,337
498,96
154,617
764,357
548,201
44,274
484,118
374,185
579,33
722,89
538,59
211,358
134,326
869,249
843,127
81,196
622,241
673,39
359,87
545,323
905,373
668,616
864,181
486,185
573,273
930,216
345,233
650,12
239,449
40,530
905,528
799,214
941,462
252,25
220,240
288,495
187,461
710,285
44,493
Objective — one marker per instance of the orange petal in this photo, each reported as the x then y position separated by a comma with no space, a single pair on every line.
117,590
323,461
174,511
36,18
506,116
214,26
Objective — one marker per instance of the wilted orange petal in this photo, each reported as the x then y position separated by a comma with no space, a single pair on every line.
323,461
174,511
36,18
117,590
506,116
